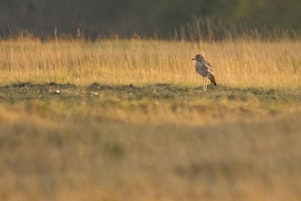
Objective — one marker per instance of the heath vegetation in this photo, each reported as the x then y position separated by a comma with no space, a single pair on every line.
127,120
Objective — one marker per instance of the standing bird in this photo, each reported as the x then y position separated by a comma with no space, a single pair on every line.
205,69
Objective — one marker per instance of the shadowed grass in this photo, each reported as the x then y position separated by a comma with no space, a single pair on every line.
151,103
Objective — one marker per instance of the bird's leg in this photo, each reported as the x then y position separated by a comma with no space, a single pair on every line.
204,88
206,80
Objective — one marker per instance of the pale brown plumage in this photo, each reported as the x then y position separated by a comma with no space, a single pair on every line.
205,69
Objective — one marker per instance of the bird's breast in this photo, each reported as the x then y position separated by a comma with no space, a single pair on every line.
201,69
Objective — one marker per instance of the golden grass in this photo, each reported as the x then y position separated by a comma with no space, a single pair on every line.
92,159
241,63
148,141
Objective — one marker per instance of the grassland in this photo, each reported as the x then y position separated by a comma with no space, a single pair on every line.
241,63
127,120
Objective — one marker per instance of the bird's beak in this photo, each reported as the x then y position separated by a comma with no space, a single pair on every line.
193,59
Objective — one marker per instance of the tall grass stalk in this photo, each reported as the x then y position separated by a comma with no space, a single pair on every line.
239,63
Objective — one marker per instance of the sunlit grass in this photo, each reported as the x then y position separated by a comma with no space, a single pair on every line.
135,126
241,63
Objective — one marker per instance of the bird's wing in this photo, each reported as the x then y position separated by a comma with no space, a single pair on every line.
211,78
209,67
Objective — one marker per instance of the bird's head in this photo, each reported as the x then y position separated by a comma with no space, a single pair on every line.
198,57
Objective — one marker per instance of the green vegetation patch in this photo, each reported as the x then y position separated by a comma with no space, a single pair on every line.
66,99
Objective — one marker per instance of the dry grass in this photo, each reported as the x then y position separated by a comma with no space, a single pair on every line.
134,138
242,63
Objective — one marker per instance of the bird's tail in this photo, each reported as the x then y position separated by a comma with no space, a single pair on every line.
211,78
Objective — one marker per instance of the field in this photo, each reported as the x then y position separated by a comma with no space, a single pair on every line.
128,120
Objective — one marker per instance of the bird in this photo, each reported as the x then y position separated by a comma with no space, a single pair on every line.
205,69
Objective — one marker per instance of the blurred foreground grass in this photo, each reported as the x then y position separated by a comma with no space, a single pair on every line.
149,142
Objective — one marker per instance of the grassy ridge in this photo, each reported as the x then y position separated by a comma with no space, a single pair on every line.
153,103
133,124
